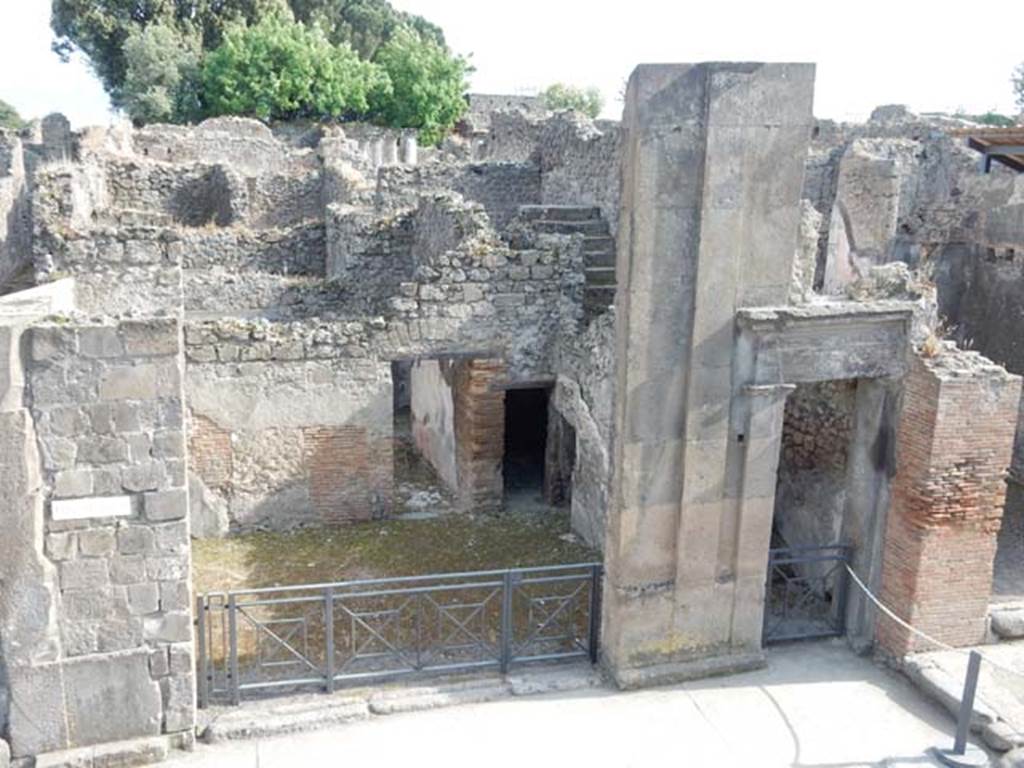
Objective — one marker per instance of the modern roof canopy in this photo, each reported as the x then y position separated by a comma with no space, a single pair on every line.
1004,145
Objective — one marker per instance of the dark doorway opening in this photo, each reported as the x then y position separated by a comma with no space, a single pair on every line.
526,433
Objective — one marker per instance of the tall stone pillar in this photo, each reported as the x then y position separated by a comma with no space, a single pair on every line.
713,158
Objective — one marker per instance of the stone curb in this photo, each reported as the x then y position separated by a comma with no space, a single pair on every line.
325,711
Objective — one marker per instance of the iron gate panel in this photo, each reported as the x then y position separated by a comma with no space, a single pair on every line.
325,634
806,593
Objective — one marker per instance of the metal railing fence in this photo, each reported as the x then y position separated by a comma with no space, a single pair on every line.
287,638
806,593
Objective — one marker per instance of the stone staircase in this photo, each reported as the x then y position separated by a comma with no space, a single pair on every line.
598,247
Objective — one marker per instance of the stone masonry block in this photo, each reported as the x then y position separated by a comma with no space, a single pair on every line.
38,724
111,698
61,546
143,477
179,702
100,342
136,382
121,633
84,574
67,421
81,604
52,343
181,658
73,483
172,568
166,505
129,569
135,540
169,444
143,598
96,542
140,447
175,595
150,337
58,452
171,538
169,628
116,417
99,449
159,665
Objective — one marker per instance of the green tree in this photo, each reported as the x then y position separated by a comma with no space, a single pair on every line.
428,86
588,101
9,117
364,24
1018,86
101,28
162,76
282,69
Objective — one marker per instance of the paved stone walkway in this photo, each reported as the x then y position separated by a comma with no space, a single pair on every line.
816,706
999,704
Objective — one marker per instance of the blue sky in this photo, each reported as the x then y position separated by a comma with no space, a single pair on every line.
932,56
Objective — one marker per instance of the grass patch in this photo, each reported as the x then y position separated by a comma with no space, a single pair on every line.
386,548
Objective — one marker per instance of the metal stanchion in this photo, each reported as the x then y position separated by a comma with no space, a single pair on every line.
964,755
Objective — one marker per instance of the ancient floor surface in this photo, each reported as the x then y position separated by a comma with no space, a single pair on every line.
816,706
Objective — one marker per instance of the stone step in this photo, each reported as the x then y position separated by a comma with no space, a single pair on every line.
559,212
600,276
588,228
597,299
599,255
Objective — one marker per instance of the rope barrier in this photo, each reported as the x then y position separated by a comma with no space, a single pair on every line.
923,635
937,643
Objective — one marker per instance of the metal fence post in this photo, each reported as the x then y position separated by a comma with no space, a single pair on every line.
236,693
964,755
202,672
843,586
508,584
595,613
329,636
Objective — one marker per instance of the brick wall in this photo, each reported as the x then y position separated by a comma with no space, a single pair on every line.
480,433
954,444
210,454
351,473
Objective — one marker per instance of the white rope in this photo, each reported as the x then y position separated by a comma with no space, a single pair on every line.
938,643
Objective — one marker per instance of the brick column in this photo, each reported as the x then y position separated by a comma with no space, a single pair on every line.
480,433
953,448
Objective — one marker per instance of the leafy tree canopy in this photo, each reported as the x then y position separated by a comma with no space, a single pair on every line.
161,79
428,85
100,28
1018,85
588,101
281,69
9,117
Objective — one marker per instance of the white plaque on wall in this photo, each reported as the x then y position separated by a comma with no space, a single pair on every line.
96,506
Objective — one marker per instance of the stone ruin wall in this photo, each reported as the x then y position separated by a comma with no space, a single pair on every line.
360,265
302,261
899,190
95,614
